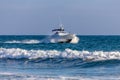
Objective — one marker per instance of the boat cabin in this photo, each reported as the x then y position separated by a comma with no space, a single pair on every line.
61,29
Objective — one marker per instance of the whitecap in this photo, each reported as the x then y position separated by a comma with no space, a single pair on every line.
17,53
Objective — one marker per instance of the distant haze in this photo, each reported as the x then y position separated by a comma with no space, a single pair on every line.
36,17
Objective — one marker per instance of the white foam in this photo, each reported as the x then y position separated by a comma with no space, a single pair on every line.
6,73
24,41
18,53
89,78
27,76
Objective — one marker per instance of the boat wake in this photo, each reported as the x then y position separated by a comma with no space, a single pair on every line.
24,41
48,39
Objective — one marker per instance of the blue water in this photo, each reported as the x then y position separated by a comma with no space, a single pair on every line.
27,58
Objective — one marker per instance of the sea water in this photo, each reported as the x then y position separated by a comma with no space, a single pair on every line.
27,58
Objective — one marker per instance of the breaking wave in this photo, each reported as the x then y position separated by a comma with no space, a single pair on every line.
17,53
24,41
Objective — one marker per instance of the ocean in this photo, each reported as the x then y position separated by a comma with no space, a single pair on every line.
27,58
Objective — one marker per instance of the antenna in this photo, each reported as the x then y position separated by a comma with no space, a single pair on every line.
60,23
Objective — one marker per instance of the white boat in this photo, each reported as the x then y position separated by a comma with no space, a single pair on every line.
61,36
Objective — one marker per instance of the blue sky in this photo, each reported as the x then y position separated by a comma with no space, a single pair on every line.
83,17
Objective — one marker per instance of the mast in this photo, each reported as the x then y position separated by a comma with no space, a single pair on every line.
60,24
61,27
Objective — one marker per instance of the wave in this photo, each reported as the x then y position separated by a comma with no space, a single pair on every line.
24,41
24,76
17,53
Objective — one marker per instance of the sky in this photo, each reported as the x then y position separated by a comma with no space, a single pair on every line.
39,17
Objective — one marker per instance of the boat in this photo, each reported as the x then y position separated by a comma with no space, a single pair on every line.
62,36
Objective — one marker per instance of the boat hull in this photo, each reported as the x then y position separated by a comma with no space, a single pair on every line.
71,38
